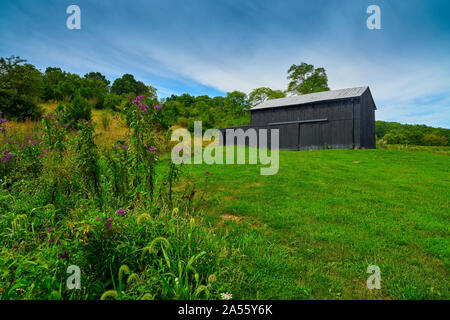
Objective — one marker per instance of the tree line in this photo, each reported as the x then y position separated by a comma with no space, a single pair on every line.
23,88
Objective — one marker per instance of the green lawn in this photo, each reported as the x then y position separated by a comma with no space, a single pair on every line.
312,230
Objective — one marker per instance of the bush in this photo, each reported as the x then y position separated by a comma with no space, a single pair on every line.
112,101
434,140
20,88
78,109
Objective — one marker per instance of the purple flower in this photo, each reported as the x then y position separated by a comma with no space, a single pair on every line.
109,226
116,117
99,218
63,255
157,107
44,152
120,212
7,156
49,229
151,149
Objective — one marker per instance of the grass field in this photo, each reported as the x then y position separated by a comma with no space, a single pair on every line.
312,230
308,232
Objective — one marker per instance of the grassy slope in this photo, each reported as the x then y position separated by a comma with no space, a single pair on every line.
312,230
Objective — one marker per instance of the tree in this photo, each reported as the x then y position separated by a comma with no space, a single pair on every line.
128,84
20,88
96,76
262,94
236,103
434,140
304,78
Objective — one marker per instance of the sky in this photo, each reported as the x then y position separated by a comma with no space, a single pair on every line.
210,47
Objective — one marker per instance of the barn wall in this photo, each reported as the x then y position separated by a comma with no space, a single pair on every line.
339,124
336,132
367,121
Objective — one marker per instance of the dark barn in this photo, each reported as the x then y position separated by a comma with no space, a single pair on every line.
337,119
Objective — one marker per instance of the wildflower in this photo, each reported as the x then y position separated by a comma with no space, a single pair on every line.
44,152
58,242
109,226
116,117
51,240
49,229
63,255
123,145
226,296
151,149
176,281
99,218
120,212
7,156
157,107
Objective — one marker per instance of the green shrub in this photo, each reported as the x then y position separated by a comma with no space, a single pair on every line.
78,109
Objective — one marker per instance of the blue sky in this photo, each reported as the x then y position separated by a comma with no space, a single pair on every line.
214,46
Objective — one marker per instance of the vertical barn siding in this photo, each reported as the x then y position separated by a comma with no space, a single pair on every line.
367,121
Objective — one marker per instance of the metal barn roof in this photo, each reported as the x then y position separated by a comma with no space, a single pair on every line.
312,97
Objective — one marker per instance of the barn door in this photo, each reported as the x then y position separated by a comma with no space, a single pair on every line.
311,136
288,136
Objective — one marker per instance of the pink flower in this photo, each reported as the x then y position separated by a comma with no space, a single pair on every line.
157,107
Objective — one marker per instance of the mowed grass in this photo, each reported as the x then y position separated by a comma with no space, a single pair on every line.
311,231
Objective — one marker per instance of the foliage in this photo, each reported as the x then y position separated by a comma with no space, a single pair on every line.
78,109
260,95
420,135
216,112
305,78
127,84
112,211
20,88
